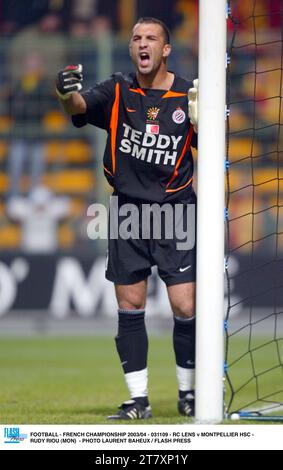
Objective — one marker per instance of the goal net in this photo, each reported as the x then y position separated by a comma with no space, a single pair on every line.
254,210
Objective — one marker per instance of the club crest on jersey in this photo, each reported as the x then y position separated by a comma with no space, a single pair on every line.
178,116
152,113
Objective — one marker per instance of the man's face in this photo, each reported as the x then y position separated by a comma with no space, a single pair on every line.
148,48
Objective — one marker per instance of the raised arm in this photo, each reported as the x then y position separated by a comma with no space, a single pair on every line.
68,84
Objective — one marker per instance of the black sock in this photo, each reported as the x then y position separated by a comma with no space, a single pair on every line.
183,393
142,400
184,345
184,342
131,340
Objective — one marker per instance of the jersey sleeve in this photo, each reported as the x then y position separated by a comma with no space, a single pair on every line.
99,100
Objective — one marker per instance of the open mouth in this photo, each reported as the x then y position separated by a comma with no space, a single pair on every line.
144,59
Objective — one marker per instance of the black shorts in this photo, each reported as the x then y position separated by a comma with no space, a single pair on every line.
130,260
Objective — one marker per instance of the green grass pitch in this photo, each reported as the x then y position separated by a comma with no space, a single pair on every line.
78,380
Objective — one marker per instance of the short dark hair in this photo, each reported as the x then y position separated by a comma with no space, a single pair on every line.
149,19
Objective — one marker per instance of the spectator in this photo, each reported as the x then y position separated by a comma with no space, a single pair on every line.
27,100
45,39
39,215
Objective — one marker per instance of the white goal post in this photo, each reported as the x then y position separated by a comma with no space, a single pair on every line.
210,218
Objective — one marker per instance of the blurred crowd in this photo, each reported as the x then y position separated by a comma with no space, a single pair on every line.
83,15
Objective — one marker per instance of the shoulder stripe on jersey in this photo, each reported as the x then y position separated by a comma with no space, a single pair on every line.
114,125
185,148
173,94
138,90
180,187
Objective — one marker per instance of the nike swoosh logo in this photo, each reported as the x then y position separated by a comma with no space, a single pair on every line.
189,362
131,110
123,363
185,269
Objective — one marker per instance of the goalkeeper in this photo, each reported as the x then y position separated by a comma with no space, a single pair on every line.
147,160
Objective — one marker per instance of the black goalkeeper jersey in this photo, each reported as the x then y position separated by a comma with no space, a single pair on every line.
148,151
